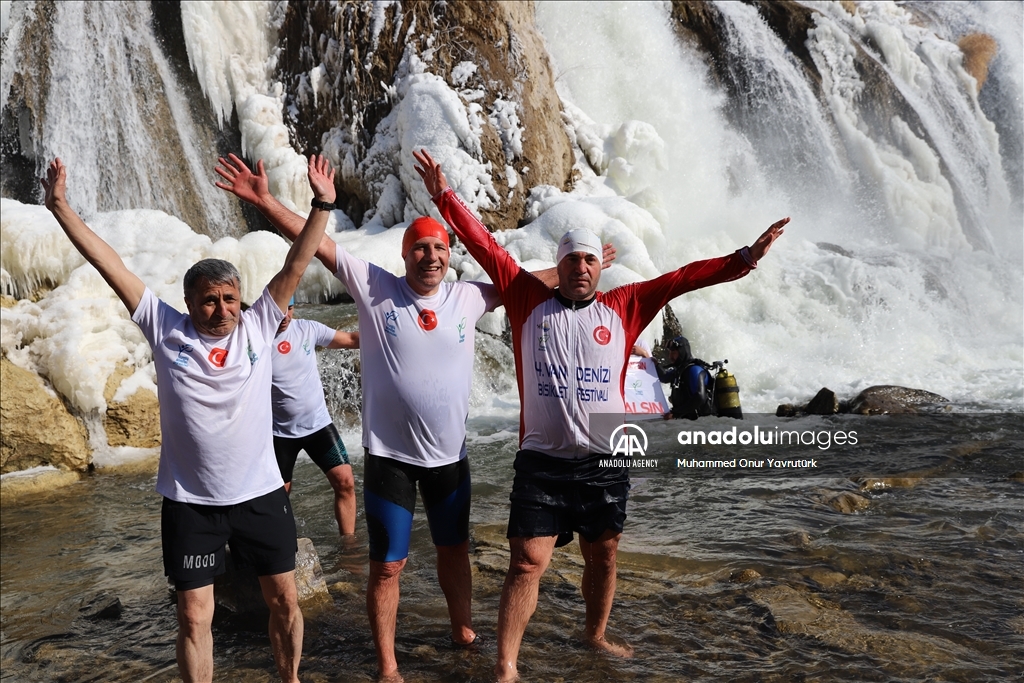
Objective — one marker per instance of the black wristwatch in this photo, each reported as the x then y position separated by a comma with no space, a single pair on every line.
322,205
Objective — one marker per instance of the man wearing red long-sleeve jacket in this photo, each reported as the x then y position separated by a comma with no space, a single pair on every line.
571,348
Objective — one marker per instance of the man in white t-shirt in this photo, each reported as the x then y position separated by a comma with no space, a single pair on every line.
217,472
416,348
301,420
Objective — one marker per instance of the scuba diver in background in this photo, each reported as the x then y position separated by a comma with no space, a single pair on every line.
693,385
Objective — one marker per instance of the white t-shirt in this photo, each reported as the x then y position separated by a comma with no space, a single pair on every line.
417,361
214,396
297,395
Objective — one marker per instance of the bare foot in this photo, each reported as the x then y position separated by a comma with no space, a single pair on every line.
393,677
625,650
466,638
508,674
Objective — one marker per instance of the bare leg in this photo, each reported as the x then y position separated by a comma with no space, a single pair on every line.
530,558
456,579
285,623
599,590
344,485
194,647
382,608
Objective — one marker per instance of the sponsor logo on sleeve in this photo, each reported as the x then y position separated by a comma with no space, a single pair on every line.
462,329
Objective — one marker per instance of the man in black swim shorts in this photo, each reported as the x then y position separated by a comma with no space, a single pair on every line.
217,474
301,420
571,347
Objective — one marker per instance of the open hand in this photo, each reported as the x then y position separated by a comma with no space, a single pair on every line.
241,182
607,255
55,183
759,248
321,178
430,171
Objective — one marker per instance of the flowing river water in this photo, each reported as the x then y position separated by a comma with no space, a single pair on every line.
840,571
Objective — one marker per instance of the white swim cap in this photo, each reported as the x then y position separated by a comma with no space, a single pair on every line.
580,239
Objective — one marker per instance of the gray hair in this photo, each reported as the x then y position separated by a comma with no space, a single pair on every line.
215,271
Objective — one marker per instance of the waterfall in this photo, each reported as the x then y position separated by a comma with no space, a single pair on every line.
903,174
89,82
903,261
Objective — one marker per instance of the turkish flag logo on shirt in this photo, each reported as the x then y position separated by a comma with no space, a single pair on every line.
218,356
428,319
602,335
284,347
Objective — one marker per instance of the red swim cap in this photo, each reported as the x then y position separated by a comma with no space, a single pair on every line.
424,226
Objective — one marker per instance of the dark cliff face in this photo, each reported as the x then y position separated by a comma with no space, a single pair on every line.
362,51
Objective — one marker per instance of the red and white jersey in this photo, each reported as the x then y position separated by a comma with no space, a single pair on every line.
571,356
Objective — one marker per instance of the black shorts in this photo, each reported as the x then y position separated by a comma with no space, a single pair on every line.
324,447
556,496
261,532
389,494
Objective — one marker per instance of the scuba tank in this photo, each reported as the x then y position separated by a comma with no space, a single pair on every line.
727,392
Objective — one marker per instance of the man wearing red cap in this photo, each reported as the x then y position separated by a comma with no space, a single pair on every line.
414,405
580,362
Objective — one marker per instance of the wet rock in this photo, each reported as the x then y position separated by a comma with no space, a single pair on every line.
35,426
798,538
786,410
847,502
745,576
802,614
309,576
102,607
1016,476
238,589
824,402
134,421
826,578
892,400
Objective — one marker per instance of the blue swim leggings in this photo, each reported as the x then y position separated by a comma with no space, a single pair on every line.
389,495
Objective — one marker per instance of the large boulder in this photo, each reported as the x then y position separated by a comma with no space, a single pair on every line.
238,589
893,400
134,421
35,426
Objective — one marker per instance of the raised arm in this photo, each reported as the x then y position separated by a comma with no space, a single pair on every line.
321,181
128,287
344,340
251,187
